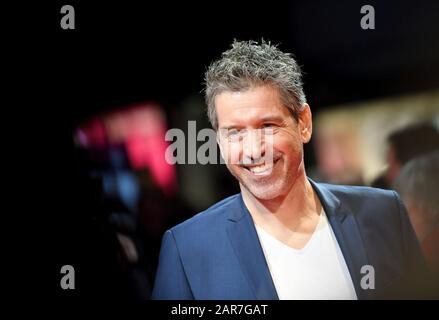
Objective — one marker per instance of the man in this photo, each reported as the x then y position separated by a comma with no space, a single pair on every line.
284,236
418,184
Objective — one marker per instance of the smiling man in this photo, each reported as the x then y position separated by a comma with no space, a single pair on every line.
284,236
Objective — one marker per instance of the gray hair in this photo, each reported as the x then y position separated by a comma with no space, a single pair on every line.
418,182
249,64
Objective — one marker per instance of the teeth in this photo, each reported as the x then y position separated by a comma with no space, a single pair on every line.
261,169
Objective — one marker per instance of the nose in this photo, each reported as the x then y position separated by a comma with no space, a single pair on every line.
253,149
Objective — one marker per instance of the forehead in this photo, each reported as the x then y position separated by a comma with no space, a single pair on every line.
247,107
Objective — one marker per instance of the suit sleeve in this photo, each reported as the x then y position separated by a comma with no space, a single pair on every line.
170,282
416,267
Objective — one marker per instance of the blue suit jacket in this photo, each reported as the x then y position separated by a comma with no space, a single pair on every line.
217,253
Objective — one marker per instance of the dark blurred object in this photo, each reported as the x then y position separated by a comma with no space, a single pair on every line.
418,184
123,150
404,145
380,182
106,238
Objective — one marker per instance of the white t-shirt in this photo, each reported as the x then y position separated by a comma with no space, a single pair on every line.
317,271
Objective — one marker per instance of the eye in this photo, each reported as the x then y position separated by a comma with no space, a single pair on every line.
269,128
234,134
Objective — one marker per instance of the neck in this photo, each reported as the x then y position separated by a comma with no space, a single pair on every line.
299,204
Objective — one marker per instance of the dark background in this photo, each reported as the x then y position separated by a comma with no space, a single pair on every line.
126,52
122,53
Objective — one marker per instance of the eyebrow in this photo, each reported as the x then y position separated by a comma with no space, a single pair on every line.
272,118
262,120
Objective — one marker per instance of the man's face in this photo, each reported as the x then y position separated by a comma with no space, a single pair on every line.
261,141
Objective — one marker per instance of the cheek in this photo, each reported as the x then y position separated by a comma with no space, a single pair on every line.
285,144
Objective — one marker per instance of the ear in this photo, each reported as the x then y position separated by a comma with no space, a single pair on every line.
305,123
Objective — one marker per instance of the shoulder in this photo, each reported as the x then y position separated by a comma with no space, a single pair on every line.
210,218
360,193
368,204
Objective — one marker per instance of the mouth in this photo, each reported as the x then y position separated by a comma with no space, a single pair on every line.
263,169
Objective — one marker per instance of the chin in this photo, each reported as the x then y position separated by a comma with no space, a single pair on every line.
272,185
267,191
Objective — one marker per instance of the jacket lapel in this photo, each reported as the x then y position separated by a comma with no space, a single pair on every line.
348,235
245,242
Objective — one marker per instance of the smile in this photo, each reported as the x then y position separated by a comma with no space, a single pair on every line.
261,169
